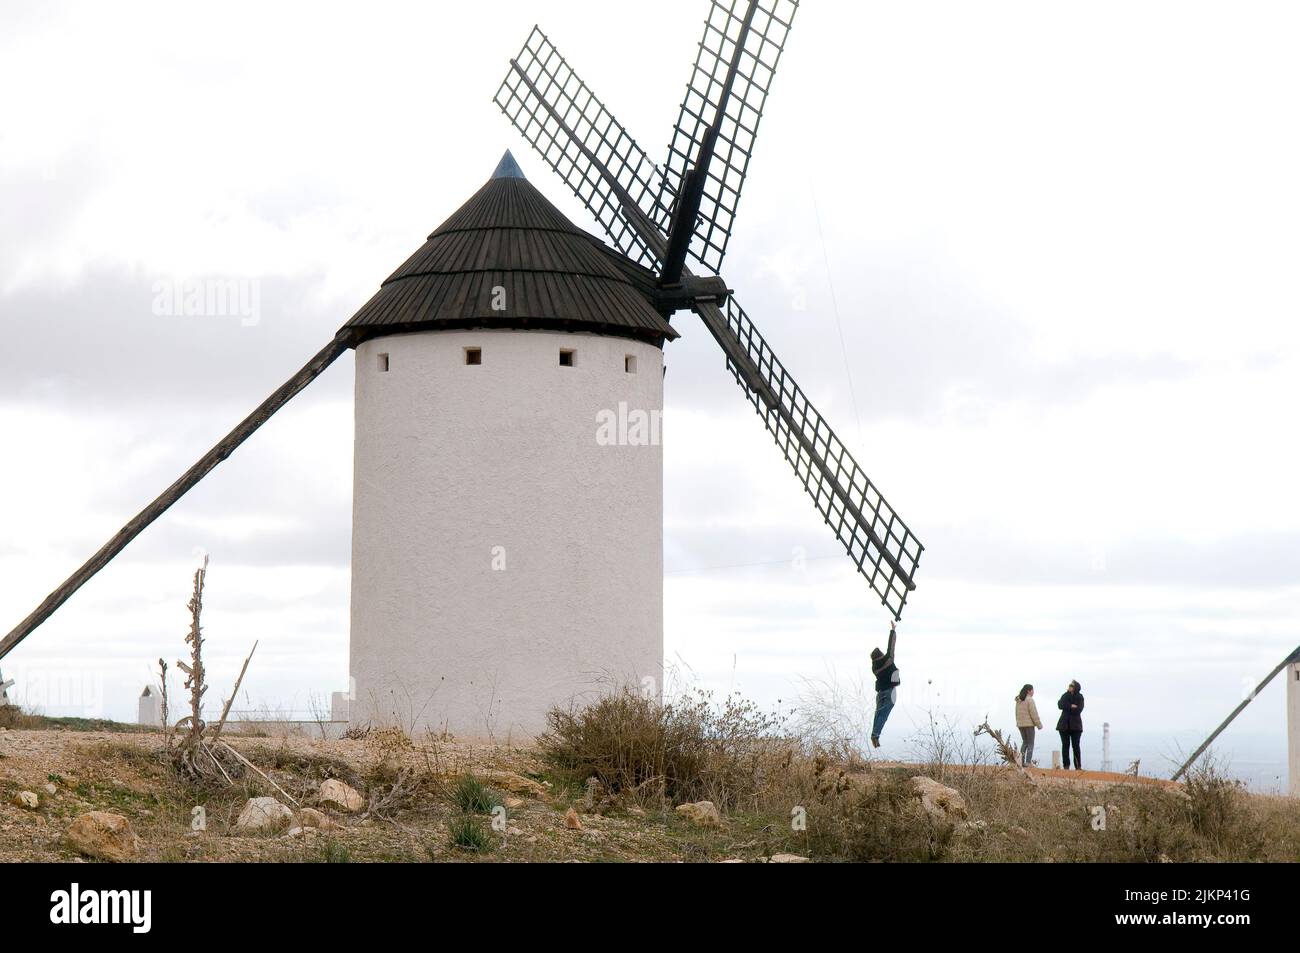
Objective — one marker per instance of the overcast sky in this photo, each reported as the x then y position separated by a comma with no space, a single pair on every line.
1058,243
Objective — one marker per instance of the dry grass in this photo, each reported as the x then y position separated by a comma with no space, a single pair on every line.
778,793
851,811
878,820
688,750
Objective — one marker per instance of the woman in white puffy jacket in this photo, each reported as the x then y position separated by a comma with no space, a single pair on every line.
1027,721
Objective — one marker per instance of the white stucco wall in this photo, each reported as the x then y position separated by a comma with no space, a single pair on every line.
1293,725
460,467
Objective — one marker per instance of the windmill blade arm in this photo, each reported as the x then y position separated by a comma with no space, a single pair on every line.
1290,659
580,139
711,145
880,544
228,444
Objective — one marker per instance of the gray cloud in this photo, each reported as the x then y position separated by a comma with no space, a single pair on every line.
913,335
100,342
327,542
963,554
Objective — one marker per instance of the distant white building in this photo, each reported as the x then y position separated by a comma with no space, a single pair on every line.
340,706
150,708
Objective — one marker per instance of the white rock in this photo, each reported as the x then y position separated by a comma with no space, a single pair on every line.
263,813
514,783
939,801
310,817
339,795
51,789
788,859
27,799
701,813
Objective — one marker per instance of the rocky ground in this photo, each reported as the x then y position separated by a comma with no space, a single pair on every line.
49,778
79,795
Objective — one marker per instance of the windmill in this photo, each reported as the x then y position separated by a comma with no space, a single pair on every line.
661,216
504,555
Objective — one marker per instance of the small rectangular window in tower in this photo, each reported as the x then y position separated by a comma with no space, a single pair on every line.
566,358
383,363
473,355
629,363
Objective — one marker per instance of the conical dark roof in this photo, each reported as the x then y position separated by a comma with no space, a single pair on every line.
555,276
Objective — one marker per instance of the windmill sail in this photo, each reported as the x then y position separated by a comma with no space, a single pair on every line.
587,147
579,138
880,544
730,81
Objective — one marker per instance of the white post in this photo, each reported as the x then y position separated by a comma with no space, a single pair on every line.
1293,724
150,708
340,706
1105,746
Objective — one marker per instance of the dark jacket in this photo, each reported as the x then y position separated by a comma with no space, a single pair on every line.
884,669
1071,718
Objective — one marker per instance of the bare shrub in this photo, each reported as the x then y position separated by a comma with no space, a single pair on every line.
944,749
679,751
879,821
835,714
12,716
1212,800
1219,810
1153,826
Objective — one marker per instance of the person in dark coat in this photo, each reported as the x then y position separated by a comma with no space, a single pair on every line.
887,681
1070,725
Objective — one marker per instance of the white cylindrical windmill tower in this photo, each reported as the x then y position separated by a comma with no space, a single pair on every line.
1293,726
507,544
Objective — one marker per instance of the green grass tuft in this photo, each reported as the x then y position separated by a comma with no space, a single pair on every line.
472,796
468,833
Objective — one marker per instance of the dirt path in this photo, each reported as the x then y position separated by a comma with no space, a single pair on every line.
1051,775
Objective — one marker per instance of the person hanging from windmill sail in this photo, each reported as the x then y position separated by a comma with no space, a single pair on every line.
887,682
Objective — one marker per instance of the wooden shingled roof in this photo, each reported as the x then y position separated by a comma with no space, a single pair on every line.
555,276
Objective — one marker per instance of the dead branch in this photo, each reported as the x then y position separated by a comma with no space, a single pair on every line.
166,718
260,772
217,762
393,798
194,671
216,735
1007,750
